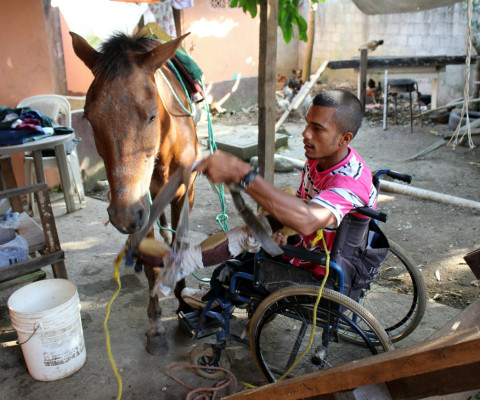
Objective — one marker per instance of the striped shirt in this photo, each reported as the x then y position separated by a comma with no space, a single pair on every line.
339,189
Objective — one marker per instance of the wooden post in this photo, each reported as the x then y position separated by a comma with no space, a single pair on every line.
9,178
267,69
363,76
307,62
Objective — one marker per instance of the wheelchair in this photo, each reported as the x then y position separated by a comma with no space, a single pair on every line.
280,301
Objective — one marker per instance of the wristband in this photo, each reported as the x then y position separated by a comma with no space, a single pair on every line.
248,179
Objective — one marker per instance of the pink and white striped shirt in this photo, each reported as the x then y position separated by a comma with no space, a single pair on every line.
339,189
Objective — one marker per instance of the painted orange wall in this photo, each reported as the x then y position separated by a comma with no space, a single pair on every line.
25,67
224,41
78,75
25,63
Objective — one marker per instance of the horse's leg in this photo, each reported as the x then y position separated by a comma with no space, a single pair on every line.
156,340
165,233
176,209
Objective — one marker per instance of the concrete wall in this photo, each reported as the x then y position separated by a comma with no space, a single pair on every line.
341,28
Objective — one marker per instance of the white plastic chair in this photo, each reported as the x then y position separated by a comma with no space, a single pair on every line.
55,107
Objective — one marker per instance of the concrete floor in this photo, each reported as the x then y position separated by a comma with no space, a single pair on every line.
90,249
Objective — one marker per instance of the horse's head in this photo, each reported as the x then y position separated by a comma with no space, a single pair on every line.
125,112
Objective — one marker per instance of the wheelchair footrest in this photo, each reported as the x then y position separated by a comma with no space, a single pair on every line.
191,323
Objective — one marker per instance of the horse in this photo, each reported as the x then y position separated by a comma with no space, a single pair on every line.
143,135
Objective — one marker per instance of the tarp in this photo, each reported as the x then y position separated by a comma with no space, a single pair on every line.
373,7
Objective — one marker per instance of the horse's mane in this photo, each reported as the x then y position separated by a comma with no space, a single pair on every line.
115,55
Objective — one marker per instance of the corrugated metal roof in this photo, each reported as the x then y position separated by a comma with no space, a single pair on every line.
373,7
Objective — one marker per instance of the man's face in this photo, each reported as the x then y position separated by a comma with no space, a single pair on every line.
320,137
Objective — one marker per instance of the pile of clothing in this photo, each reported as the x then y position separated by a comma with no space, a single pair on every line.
20,125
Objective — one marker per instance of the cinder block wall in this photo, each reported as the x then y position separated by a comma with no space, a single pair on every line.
341,28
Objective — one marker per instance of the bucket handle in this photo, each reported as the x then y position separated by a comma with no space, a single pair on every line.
37,326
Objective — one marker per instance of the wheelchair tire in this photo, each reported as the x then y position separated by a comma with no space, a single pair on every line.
398,296
280,331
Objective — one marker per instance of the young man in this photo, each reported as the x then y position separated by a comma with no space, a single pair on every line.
335,180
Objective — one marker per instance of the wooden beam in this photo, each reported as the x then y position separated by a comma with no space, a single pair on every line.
267,80
32,264
436,367
301,95
391,62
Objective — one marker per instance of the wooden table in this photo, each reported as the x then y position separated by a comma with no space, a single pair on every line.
51,252
400,67
36,147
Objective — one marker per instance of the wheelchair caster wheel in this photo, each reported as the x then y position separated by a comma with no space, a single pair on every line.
204,355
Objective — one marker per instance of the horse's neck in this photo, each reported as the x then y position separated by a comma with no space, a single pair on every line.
173,96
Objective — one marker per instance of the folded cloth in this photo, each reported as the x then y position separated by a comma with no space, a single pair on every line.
10,137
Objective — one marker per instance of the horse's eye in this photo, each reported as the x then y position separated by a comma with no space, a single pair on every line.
151,119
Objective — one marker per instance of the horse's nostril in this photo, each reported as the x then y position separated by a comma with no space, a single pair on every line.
140,217
140,214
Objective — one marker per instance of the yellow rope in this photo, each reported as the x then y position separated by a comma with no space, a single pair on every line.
116,276
327,266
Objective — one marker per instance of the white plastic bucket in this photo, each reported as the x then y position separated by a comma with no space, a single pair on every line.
46,316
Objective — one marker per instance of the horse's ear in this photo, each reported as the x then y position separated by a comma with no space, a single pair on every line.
84,51
161,54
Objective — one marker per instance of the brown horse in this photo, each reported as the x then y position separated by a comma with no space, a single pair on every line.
143,136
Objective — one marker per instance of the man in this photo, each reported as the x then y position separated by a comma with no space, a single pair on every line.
335,180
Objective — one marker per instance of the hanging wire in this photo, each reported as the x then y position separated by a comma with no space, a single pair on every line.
455,139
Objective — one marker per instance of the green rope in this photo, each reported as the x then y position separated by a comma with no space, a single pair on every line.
190,113
158,222
204,280
223,217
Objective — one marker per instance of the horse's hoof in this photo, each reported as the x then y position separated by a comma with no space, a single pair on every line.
157,345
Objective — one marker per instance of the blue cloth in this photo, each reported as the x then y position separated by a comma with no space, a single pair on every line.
10,137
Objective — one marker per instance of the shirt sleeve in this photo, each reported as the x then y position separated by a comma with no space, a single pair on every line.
341,198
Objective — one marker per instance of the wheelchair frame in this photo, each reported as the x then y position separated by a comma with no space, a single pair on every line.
372,337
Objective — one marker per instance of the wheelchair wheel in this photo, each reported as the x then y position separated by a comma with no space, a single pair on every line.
398,296
204,355
280,331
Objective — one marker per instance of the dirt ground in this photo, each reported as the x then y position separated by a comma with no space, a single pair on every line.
435,235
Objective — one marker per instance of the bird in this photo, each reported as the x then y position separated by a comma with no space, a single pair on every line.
371,45
373,90
295,83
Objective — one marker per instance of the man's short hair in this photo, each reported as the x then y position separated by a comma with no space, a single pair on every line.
349,114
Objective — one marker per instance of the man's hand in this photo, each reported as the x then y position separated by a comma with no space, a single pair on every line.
280,238
222,167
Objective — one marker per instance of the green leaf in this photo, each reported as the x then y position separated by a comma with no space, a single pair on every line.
287,16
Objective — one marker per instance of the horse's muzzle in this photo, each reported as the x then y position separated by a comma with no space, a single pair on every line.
128,220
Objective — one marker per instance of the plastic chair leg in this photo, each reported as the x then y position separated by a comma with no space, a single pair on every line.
74,167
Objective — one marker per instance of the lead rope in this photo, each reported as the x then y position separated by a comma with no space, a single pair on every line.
315,307
318,237
116,277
